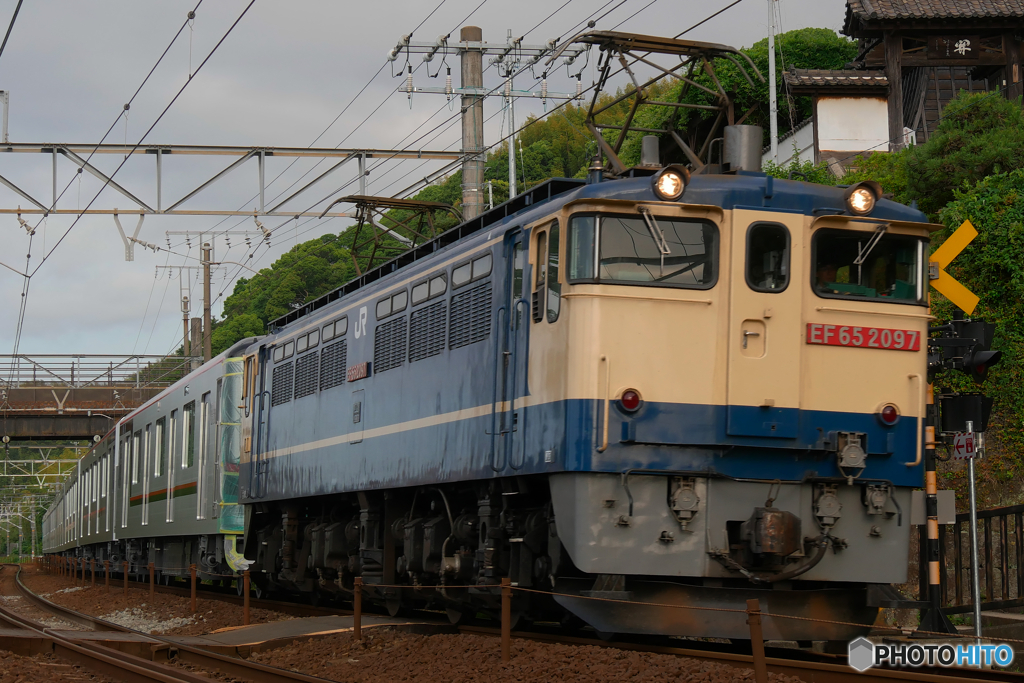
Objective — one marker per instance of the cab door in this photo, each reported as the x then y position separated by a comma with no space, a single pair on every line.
764,345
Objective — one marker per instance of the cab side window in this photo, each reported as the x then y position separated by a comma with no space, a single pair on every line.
768,248
547,291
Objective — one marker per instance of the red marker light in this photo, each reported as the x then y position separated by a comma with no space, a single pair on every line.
630,400
889,415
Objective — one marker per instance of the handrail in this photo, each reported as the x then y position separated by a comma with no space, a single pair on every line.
498,367
607,400
922,407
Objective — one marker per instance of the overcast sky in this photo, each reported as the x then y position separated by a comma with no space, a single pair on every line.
279,79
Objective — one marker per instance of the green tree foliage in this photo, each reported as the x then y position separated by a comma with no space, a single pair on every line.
992,268
807,171
234,328
980,135
303,273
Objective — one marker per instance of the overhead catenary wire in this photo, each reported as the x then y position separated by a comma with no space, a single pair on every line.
30,274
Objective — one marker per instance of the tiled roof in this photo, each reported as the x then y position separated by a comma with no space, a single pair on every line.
816,78
934,9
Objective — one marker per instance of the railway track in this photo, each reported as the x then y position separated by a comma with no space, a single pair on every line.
122,666
800,663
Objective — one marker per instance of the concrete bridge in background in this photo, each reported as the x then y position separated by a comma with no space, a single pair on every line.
78,396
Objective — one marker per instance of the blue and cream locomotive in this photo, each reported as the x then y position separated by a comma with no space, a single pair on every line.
656,389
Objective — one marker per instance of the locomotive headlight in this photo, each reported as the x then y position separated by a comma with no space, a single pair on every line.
861,198
669,183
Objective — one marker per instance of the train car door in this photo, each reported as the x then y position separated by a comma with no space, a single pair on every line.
764,346
513,328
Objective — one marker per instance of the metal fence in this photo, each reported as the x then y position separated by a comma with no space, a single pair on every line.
92,370
1000,560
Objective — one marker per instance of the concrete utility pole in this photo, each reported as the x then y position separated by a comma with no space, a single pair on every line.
471,50
773,98
472,125
207,329
197,339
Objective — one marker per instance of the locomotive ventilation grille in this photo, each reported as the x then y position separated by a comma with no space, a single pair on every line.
305,375
332,365
281,388
389,345
426,332
471,316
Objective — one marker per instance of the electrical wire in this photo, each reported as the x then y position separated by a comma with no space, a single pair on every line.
451,122
10,27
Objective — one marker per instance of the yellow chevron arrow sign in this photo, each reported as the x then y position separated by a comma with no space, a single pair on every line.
946,284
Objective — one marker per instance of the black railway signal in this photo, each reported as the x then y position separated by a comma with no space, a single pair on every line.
979,358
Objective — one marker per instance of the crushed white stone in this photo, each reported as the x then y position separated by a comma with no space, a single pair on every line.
141,620
70,590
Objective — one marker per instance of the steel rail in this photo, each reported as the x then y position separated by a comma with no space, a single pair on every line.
119,666
210,661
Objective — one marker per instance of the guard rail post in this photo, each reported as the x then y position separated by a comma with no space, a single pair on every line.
125,564
757,641
192,571
245,600
357,608
506,619
106,574
152,579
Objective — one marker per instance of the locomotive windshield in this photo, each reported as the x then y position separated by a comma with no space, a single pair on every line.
643,250
868,265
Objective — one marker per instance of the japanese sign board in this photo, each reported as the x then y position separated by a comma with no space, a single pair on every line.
964,445
960,47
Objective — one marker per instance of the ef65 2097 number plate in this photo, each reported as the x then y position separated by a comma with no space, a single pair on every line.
863,337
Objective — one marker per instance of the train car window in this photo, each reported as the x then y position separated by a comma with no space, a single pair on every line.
554,287
540,276
653,252
399,301
160,452
482,266
868,265
341,327
188,427
175,442
420,293
438,285
314,338
204,441
384,308
462,275
582,247
328,332
279,354
768,257
289,349
301,344
136,456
